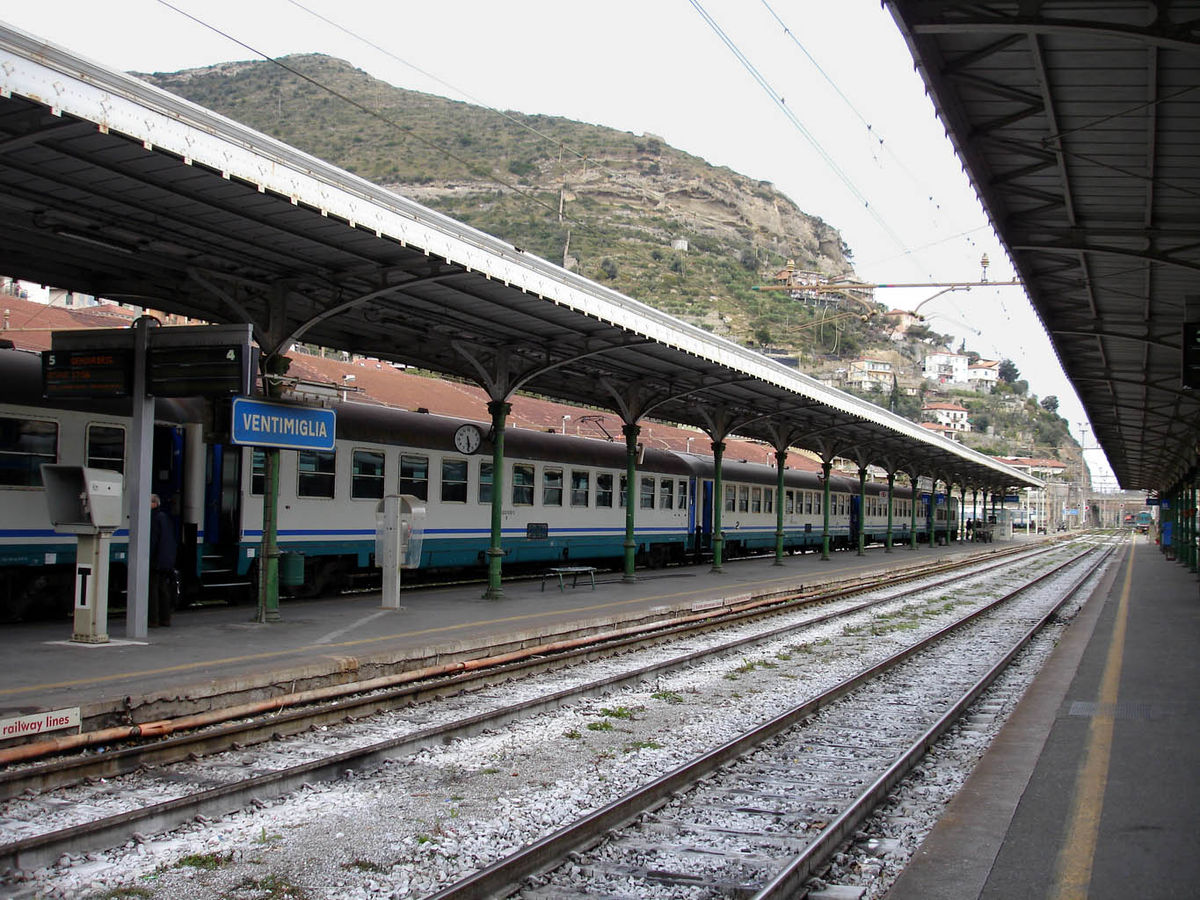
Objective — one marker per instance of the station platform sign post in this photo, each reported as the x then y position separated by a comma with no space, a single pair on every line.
275,426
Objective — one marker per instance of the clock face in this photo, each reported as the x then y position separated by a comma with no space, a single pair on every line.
467,439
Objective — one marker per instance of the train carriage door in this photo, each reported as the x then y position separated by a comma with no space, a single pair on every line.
705,527
167,480
691,514
222,496
855,518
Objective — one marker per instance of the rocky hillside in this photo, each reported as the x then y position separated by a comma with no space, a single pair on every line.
630,211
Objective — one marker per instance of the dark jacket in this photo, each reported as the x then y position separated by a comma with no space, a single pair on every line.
162,541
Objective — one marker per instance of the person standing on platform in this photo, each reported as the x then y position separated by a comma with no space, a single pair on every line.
162,564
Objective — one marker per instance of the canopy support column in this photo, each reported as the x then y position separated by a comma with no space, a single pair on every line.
631,433
499,411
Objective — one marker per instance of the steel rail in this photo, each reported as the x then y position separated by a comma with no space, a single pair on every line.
112,830
357,700
788,883
505,875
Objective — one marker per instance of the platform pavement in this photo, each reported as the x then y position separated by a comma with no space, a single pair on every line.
213,652
1091,788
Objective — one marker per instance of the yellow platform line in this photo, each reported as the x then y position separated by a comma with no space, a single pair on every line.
1073,873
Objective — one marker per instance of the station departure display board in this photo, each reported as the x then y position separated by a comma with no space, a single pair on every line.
87,373
197,371
181,361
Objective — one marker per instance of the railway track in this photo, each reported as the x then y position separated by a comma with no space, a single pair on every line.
126,749
279,772
756,816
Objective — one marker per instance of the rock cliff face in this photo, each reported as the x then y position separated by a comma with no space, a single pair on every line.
629,210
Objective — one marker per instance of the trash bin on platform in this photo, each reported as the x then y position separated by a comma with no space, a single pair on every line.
291,569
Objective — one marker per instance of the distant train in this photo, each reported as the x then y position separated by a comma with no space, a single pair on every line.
1139,522
565,498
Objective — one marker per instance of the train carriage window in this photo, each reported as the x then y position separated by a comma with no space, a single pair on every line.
315,470
580,487
789,502
454,481
756,500
604,490
258,471
24,445
769,500
414,476
552,487
817,499
106,447
522,486
730,498
366,475
623,492
485,481
744,498
647,493
808,503
682,493
666,490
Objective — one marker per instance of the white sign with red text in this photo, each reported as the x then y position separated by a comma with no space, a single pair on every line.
39,723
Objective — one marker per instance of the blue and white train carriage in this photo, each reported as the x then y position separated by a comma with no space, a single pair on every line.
564,498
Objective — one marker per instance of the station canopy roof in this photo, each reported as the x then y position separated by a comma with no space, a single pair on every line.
1078,124
112,187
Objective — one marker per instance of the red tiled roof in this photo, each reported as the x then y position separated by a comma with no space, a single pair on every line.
29,325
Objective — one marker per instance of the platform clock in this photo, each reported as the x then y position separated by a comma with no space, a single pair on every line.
467,438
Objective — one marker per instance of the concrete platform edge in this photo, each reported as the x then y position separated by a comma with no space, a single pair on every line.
956,858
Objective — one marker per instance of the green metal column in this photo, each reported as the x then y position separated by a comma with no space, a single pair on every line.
780,461
268,561
499,411
826,468
912,528
862,511
932,517
887,544
632,494
718,539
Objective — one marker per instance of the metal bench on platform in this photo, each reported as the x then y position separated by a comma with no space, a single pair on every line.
573,571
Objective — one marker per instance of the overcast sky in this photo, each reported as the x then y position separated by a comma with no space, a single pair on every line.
819,98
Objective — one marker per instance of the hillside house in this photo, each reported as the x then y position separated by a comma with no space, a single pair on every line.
945,431
946,368
863,373
949,415
983,375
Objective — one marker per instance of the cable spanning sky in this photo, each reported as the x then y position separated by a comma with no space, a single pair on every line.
820,99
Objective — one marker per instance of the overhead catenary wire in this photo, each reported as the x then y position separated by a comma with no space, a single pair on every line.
778,100
871,130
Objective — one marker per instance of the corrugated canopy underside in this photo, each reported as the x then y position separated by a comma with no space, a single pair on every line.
1079,124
